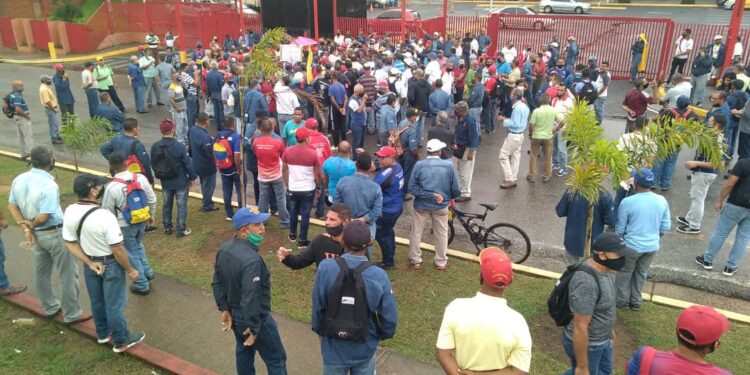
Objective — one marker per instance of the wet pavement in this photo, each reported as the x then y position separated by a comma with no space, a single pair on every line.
530,205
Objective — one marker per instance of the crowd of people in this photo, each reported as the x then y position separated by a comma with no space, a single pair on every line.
301,144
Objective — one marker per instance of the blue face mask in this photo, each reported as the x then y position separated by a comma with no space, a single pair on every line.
578,75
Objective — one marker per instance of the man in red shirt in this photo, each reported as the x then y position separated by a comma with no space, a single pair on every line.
490,100
268,148
322,147
699,329
636,103
301,170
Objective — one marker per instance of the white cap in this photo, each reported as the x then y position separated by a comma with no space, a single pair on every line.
718,37
408,54
554,44
409,62
394,72
435,145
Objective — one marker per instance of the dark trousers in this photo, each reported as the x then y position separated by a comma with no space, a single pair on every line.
407,161
336,126
677,65
208,185
301,204
115,99
743,146
92,97
386,236
228,183
192,109
730,137
218,113
459,95
268,344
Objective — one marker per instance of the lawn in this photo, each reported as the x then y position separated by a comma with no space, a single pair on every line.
48,348
421,295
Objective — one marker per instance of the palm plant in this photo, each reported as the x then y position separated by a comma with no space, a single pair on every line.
83,137
594,159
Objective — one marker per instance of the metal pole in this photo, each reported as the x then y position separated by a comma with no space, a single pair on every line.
403,22
180,30
735,23
335,16
445,18
315,18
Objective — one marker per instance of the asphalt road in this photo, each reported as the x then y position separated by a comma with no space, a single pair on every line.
530,206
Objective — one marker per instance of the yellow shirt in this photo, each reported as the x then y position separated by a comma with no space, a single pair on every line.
485,334
47,95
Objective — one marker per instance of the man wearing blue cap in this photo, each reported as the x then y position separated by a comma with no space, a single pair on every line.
242,290
641,220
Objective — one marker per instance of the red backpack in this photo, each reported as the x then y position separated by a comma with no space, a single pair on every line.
132,162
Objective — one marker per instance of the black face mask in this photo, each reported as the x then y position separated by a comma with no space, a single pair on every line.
100,194
335,231
613,264
448,70
716,105
561,66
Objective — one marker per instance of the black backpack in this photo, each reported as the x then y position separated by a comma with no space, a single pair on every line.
347,316
558,304
499,89
588,92
163,165
9,110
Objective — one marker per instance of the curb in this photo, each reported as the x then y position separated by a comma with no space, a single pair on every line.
122,51
142,351
593,4
531,271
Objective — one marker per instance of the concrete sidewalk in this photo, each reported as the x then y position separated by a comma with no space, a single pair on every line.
183,320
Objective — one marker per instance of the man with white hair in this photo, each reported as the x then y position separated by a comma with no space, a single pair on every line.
138,83
510,153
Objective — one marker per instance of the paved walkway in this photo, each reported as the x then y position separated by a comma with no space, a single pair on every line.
182,319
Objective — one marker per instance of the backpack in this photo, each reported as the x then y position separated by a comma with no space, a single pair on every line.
394,140
132,162
643,366
9,110
83,219
499,88
678,116
347,316
136,209
558,304
223,153
163,165
588,93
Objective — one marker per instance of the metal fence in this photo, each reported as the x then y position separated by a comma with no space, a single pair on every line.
703,35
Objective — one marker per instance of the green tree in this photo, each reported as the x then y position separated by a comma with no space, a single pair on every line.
593,159
84,137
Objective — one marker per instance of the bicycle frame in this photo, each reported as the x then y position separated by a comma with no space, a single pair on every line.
466,218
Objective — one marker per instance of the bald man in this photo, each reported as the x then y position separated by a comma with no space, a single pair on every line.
22,119
336,167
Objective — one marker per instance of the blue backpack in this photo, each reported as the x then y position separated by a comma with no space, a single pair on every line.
136,208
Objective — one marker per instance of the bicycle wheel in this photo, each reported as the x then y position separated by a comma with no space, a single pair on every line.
451,231
511,239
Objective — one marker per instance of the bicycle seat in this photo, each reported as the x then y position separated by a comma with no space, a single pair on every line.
489,206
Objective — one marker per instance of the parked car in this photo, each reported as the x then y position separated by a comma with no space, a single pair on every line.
395,14
729,4
564,6
528,22
720,3
381,3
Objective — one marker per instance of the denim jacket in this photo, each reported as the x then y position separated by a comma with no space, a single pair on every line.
430,176
363,196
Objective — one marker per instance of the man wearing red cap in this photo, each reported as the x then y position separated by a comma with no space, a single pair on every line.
390,178
62,88
490,100
699,329
301,170
483,333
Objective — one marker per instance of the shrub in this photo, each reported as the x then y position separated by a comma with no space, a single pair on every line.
66,11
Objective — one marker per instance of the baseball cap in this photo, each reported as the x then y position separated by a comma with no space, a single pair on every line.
245,216
433,55
166,126
492,69
311,123
356,235
683,102
382,84
643,177
611,242
100,58
496,268
302,134
555,44
703,323
718,37
44,78
84,182
59,67
435,145
386,151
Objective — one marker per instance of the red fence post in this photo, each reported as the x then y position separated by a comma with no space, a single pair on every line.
403,22
666,51
493,29
180,30
734,31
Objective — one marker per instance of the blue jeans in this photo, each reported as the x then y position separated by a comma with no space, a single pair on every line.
208,185
599,108
730,137
477,112
168,195
268,345
92,97
227,184
600,357
420,129
181,126
54,126
192,109
301,204
108,296
367,368
4,283
164,94
133,241
386,236
139,96
560,152
358,136
730,217
634,66
663,170
320,207
274,189
218,112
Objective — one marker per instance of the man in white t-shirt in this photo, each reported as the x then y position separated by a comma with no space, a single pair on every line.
93,236
563,104
602,84
90,87
683,47
483,333
738,51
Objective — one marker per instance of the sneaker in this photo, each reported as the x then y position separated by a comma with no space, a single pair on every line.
11,290
139,292
185,233
682,220
415,266
562,172
555,167
729,272
168,231
704,263
292,237
301,243
687,230
228,218
103,341
150,228
635,307
134,339
441,268
149,278
384,266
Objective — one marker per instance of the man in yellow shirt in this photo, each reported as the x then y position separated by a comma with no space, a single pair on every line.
483,333
49,102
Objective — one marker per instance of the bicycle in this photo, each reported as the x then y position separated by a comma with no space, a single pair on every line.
508,237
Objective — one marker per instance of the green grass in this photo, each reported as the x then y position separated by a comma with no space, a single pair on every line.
421,295
88,7
49,348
